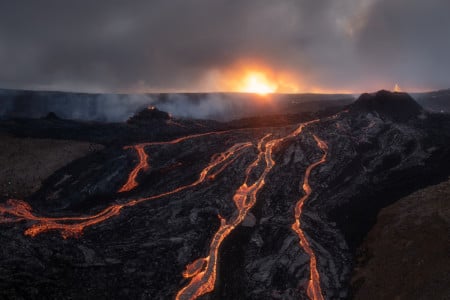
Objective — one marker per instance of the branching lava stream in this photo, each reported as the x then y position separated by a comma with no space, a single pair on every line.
143,157
203,271
142,165
314,291
18,210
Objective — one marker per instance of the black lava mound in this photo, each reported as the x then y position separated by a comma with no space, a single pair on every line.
149,115
51,116
399,107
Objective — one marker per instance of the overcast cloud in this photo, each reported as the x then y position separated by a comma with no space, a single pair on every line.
175,45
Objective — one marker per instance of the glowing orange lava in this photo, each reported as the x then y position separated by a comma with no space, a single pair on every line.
314,291
203,271
142,165
18,210
143,157
184,138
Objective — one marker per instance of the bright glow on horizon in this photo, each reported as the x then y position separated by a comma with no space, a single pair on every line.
257,82
256,77
249,76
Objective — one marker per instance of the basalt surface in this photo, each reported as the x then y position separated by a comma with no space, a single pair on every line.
262,213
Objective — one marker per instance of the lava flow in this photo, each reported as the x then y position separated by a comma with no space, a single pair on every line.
203,271
314,291
18,210
184,138
142,165
143,157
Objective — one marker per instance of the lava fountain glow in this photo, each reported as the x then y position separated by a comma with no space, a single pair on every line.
258,83
257,78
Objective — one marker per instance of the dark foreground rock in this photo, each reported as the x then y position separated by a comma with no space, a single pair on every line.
27,162
373,159
406,253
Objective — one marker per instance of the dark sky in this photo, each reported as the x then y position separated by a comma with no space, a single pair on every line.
191,45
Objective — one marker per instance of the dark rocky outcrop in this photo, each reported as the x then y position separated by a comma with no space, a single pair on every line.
399,107
406,254
149,115
51,116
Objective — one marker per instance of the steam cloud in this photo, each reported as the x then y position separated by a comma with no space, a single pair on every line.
160,45
119,107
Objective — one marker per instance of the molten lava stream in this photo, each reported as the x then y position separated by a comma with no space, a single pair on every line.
203,271
184,138
142,165
314,291
143,157
17,210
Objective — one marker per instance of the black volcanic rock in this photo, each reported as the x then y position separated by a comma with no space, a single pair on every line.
51,116
147,115
142,252
399,107
437,101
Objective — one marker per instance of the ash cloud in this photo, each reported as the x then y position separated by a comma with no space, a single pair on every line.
75,106
120,107
159,45
213,106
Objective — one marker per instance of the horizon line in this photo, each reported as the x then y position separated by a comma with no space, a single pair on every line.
218,92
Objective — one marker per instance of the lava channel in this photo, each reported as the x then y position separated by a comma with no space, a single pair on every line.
314,291
18,210
142,165
203,271
143,157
